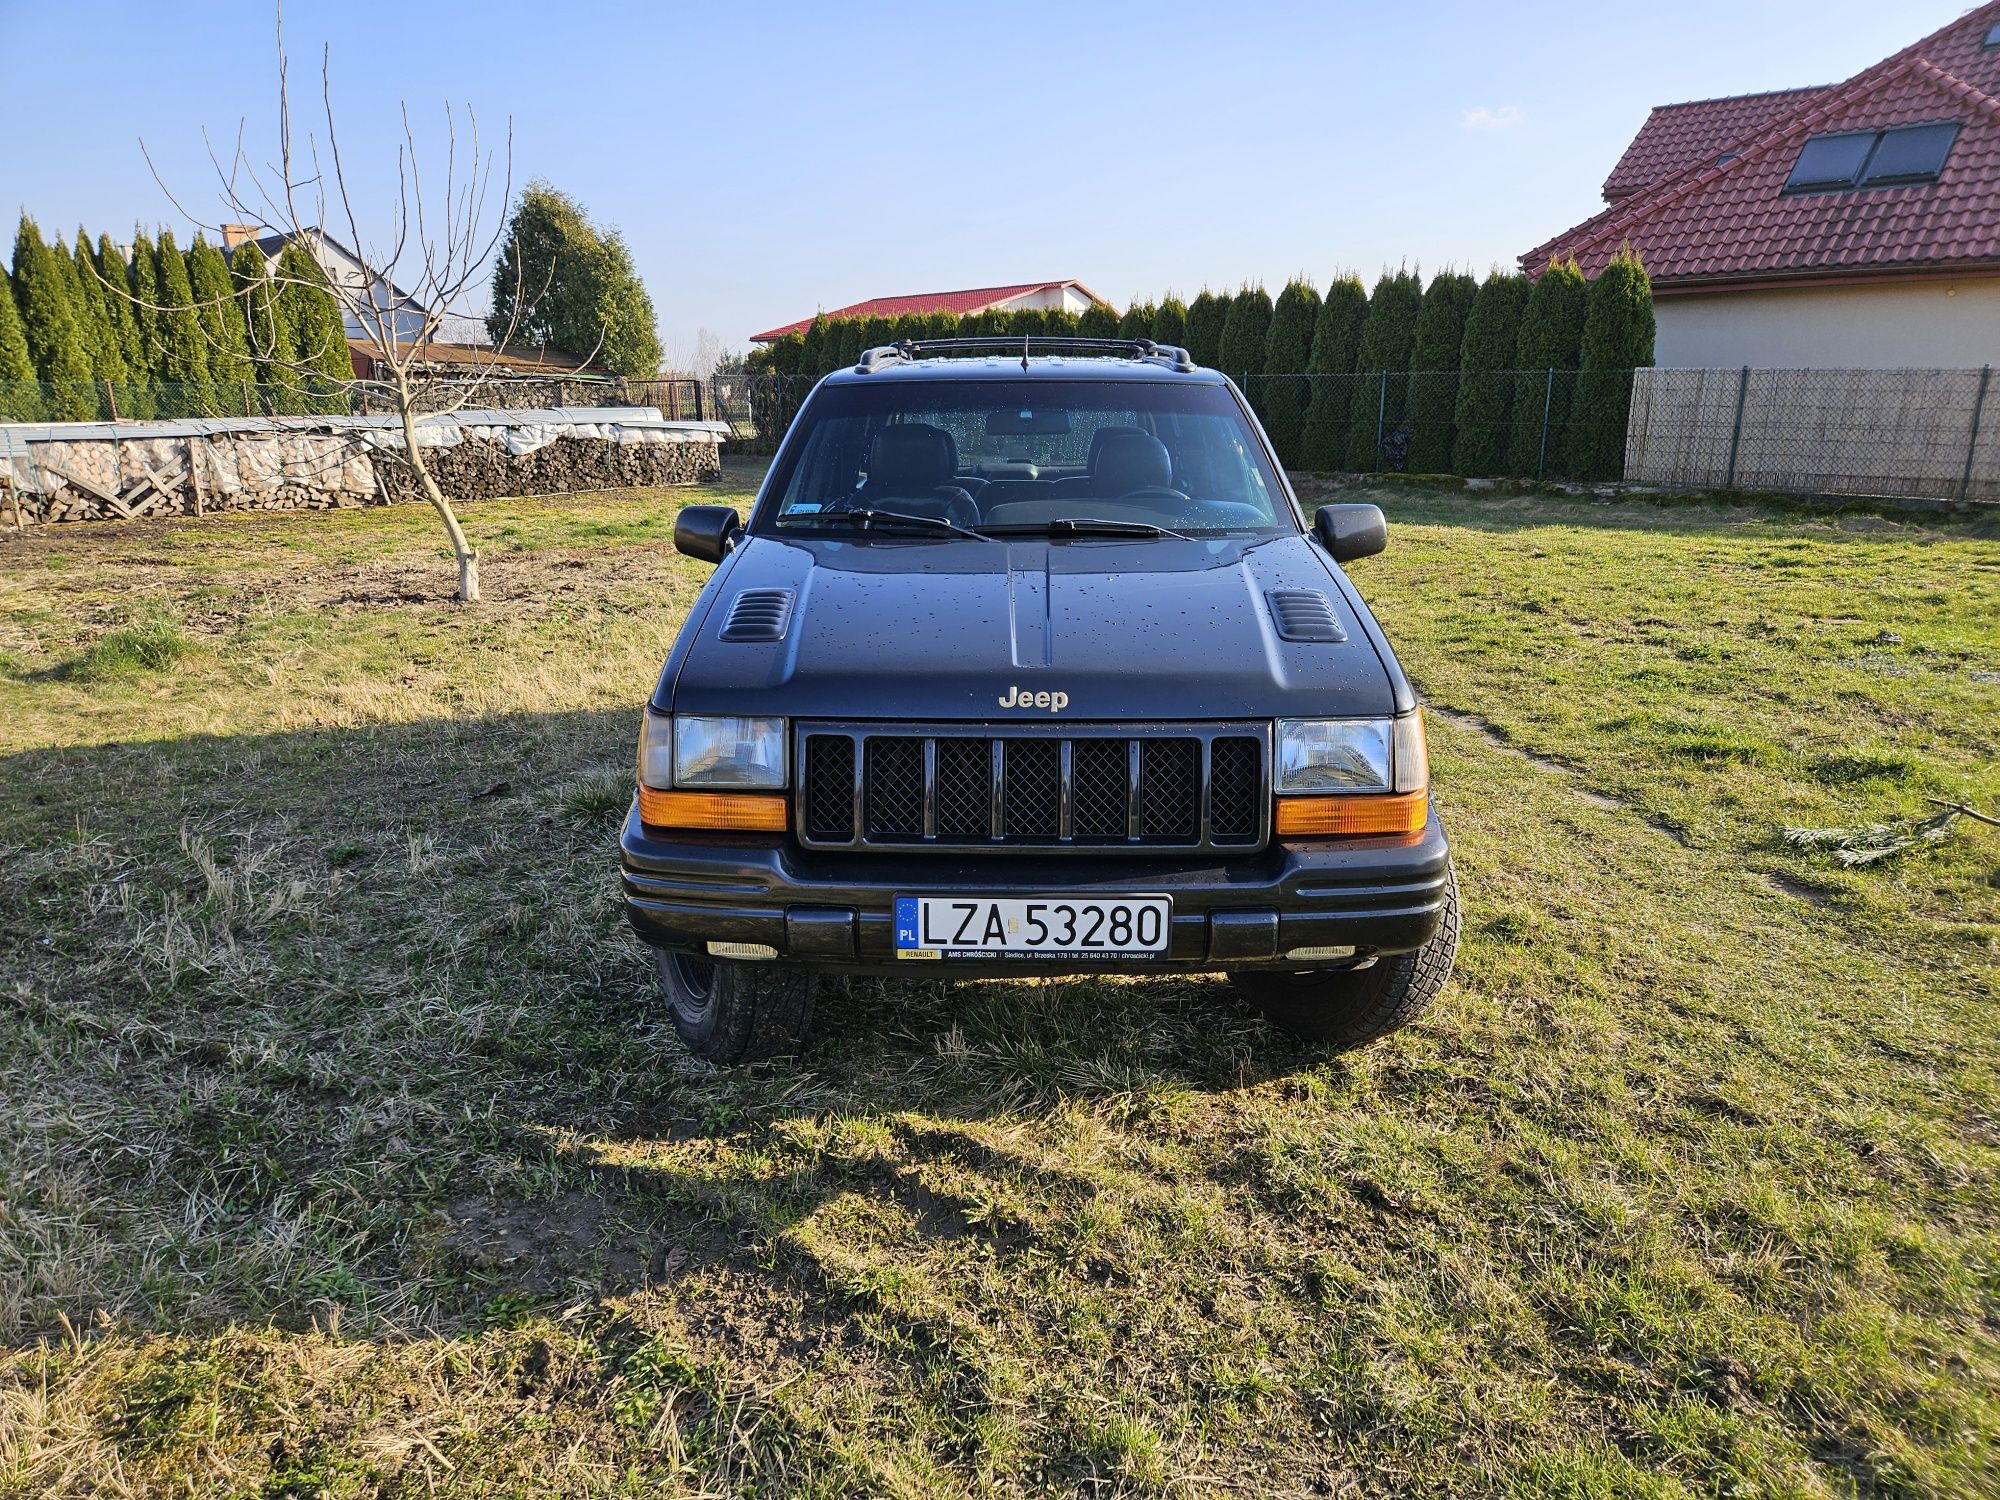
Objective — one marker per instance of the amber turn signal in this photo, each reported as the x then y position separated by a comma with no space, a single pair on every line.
1346,817
740,812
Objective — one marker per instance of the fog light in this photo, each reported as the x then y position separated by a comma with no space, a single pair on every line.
760,952
1327,952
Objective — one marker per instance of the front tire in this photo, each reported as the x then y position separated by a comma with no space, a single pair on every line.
1354,1006
728,1013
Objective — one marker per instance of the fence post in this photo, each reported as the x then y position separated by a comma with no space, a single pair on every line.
111,399
1548,405
1736,432
1972,441
1381,412
697,402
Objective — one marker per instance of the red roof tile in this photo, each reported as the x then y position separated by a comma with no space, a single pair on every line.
1678,136
972,300
1712,222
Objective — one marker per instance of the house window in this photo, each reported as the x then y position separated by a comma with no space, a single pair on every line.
1993,38
1872,158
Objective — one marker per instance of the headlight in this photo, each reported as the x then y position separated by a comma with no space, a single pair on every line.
729,752
1352,755
656,751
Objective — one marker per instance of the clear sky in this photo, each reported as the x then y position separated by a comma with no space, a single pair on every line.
766,160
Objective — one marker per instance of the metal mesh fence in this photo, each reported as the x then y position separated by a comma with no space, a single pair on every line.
1919,433
1914,433
1535,424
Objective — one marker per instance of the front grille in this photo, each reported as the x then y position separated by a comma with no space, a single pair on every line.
1182,786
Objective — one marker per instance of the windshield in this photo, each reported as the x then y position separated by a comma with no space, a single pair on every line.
1025,456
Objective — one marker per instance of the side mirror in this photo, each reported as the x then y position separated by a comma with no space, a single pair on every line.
1351,531
705,531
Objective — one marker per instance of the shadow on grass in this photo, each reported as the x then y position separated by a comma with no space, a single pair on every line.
367,996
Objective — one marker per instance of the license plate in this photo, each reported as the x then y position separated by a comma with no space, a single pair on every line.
1031,926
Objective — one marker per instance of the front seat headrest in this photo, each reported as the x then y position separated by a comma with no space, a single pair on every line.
911,457
1103,435
1132,461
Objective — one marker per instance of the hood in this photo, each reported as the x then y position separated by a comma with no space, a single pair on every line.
1106,628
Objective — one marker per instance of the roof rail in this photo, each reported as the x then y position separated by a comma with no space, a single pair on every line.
1171,356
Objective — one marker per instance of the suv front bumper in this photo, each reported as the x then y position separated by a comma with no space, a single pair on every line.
835,911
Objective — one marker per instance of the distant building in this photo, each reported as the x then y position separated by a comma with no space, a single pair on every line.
1071,296
1852,225
343,267
442,361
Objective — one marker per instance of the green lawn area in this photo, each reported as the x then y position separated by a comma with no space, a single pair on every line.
343,1150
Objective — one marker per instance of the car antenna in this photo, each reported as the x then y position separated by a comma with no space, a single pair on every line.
1024,354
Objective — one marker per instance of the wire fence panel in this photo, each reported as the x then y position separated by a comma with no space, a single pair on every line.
1914,433
1523,423
1931,434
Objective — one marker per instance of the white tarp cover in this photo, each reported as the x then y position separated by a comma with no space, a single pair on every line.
329,453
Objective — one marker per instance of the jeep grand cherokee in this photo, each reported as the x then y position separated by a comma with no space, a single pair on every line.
1027,663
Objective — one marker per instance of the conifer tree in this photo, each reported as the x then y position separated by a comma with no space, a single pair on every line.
1335,346
1287,350
812,348
319,332
226,336
1244,329
100,337
1617,339
1170,322
846,342
1138,321
20,397
145,277
1206,316
875,332
1386,338
1434,356
114,284
1059,321
183,347
48,320
267,339
1097,322
1486,378
1550,339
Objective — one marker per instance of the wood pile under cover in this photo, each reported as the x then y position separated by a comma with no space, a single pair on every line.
90,471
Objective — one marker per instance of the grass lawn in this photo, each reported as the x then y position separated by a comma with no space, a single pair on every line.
343,1150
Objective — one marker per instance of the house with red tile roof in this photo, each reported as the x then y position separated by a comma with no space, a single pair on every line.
1851,225
1070,295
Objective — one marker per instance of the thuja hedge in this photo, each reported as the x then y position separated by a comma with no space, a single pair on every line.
87,331
1456,376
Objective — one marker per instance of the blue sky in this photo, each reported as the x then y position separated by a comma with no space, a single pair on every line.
764,160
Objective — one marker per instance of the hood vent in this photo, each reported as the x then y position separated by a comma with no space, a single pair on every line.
759,615
1304,615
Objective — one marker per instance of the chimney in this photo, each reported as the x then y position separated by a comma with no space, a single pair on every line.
235,234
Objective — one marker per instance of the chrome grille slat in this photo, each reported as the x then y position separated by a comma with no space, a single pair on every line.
1151,786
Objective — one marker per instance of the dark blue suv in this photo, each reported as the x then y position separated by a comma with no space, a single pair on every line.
1025,663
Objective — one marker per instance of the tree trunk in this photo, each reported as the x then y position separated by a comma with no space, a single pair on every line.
468,559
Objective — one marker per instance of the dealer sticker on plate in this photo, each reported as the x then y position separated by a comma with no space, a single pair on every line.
1031,926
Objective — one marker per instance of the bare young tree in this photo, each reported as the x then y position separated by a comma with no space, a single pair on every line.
441,239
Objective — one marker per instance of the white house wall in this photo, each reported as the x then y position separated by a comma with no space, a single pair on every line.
1916,324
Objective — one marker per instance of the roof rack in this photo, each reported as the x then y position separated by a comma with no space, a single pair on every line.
1171,356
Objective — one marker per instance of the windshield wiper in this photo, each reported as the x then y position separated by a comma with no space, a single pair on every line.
1085,526
888,520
